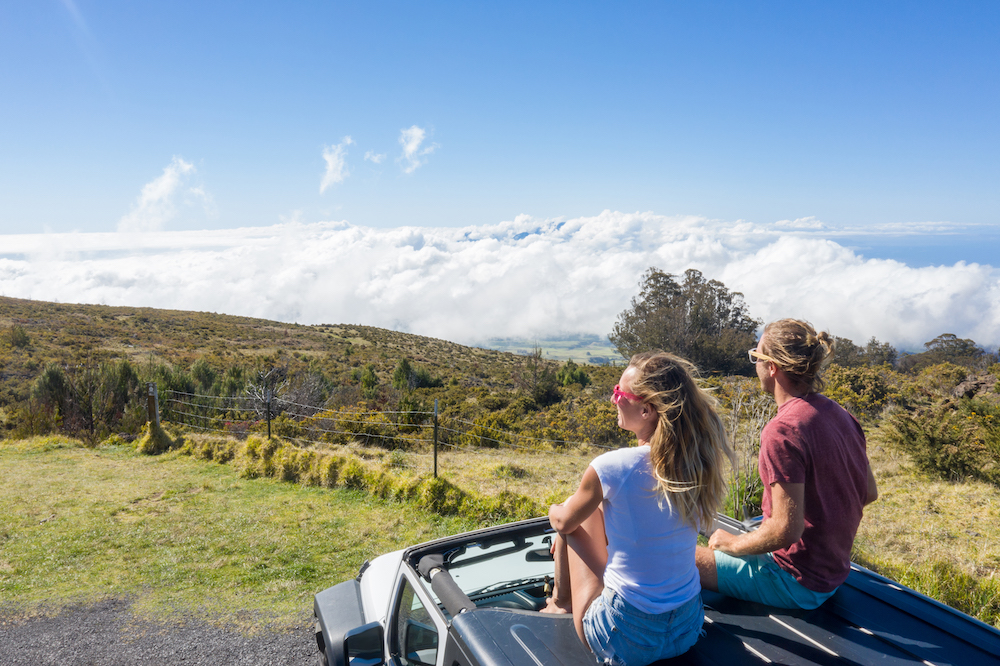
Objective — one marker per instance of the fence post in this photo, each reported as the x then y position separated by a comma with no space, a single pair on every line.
435,438
152,404
267,406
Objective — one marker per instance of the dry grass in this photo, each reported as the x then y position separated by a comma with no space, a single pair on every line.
917,520
545,476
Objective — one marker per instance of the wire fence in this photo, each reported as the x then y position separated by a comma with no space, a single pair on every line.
421,434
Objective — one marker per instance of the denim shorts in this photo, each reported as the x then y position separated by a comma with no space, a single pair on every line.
759,578
622,635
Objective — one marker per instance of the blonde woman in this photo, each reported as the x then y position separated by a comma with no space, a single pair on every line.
624,556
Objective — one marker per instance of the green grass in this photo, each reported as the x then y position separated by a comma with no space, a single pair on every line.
180,535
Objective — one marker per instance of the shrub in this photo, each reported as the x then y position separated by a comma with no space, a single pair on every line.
941,379
258,457
598,425
329,469
951,441
17,337
370,428
397,459
352,474
33,418
114,440
489,431
285,426
864,391
571,373
412,413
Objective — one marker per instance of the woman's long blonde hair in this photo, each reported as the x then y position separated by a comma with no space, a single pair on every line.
689,443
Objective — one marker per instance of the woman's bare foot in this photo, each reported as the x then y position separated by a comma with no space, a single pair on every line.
554,607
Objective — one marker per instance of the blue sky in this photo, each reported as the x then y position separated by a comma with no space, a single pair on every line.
871,125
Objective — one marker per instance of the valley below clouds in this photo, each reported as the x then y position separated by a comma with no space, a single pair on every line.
521,278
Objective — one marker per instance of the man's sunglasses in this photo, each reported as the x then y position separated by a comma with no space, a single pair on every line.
756,356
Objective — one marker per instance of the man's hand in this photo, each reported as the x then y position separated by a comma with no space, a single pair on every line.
721,540
781,530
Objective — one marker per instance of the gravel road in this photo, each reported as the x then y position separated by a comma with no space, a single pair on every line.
109,634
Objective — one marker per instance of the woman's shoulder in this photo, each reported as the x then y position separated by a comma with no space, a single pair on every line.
622,458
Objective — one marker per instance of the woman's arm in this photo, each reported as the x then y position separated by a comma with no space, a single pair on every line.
569,515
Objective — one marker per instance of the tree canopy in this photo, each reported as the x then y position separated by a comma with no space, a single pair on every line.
698,319
849,355
949,348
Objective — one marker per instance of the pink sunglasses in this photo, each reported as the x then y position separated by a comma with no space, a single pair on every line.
618,394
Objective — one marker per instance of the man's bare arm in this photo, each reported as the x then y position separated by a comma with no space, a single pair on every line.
872,487
782,529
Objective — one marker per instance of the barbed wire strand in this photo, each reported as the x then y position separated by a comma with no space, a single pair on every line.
313,428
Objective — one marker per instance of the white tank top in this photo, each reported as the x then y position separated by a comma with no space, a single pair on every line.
650,550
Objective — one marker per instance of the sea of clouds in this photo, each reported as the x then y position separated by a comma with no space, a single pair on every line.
521,278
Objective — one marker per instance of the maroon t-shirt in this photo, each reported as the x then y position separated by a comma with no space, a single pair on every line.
816,442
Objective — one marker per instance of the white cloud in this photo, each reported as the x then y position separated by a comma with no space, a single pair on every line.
336,167
801,223
411,139
157,203
372,156
520,278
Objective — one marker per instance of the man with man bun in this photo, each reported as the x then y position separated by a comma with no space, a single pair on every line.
816,476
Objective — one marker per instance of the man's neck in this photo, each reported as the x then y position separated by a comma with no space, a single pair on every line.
783,392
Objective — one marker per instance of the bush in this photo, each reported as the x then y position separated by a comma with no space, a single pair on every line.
941,379
17,337
571,373
598,424
284,425
490,431
370,428
951,441
864,391
270,458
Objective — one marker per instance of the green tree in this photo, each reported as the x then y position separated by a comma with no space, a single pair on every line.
846,354
205,375
407,377
402,376
946,348
571,373
698,319
880,353
369,382
51,388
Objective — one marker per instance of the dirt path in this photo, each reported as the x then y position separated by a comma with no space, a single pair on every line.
107,633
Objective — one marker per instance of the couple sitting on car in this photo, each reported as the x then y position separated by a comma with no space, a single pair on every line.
626,560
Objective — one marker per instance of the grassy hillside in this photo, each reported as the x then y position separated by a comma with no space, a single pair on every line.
82,334
934,432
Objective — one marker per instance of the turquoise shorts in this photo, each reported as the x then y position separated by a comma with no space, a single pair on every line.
759,578
622,635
